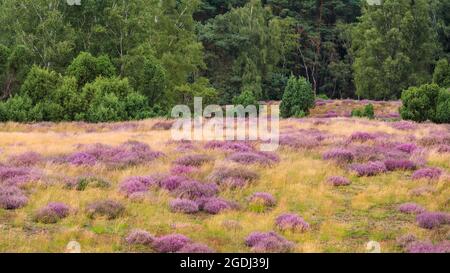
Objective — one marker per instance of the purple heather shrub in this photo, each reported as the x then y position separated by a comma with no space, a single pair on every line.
428,247
411,208
214,205
82,158
232,175
361,137
268,242
196,248
135,184
444,149
436,138
236,146
338,181
264,198
12,197
399,164
182,170
18,176
52,213
172,182
139,237
183,206
404,125
26,159
291,221
339,155
408,148
427,173
369,169
105,208
193,190
193,160
263,158
431,220
299,142
171,243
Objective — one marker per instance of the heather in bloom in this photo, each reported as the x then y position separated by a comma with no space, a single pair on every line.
82,158
182,170
299,141
193,190
341,156
431,220
183,206
172,182
193,160
214,205
263,158
139,237
170,243
12,197
428,247
196,248
236,146
408,148
369,169
223,175
427,173
17,176
361,136
291,221
399,164
444,149
404,125
106,208
52,213
262,198
135,184
25,159
268,242
411,208
338,181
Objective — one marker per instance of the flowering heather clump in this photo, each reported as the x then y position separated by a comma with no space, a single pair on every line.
341,156
171,243
361,136
193,160
408,148
338,181
268,242
404,125
299,142
12,197
237,146
135,184
369,169
291,221
263,158
444,149
82,158
411,208
214,205
25,159
184,206
227,175
428,247
400,164
193,190
107,208
172,182
263,198
436,138
427,173
195,248
182,170
17,176
139,237
431,220
52,213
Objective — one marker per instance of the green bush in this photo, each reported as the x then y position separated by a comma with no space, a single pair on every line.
443,107
298,98
364,112
441,74
106,107
245,99
16,108
86,68
420,103
68,96
136,106
323,96
39,84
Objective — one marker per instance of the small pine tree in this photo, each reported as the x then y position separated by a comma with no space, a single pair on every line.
298,98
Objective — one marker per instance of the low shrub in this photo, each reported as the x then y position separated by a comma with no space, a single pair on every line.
106,208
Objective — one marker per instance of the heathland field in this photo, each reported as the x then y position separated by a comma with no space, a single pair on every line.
333,185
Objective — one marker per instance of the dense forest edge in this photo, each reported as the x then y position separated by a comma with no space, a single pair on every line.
126,60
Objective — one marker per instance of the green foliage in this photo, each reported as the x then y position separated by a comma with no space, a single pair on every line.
86,68
200,88
387,44
245,99
298,98
420,103
366,111
16,108
443,107
441,74
322,96
40,83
